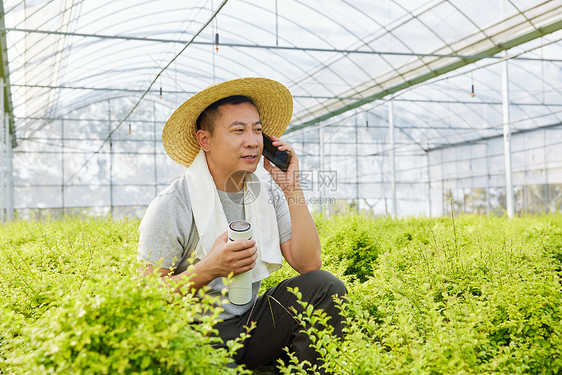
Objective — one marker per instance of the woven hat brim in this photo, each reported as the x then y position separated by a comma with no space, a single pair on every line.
273,101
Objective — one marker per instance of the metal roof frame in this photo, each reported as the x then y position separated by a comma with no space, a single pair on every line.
542,20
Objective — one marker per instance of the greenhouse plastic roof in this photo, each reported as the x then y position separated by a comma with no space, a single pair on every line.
338,58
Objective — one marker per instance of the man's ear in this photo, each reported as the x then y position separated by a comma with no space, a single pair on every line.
203,137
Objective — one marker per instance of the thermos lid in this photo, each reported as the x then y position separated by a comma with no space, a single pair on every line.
239,226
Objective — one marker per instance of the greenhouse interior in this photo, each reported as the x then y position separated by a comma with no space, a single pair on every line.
401,108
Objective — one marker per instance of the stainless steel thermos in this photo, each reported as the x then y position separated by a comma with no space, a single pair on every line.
240,287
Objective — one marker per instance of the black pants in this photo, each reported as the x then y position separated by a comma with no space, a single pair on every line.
276,327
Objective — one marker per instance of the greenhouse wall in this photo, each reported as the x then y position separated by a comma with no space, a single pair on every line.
474,175
69,167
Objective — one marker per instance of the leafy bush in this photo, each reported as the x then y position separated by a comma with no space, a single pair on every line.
43,261
349,242
481,298
74,305
118,325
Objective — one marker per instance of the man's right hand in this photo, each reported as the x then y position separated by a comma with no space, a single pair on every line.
225,257
230,256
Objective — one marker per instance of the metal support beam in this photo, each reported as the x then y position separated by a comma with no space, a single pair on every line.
10,171
443,200
6,169
507,144
62,157
429,214
190,93
110,158
484,139
321,154
509,201
261,46
3,158
488,177
546,186
357,160
392,157
6,172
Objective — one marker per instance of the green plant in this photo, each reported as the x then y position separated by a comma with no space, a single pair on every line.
119,325
480,297
349,242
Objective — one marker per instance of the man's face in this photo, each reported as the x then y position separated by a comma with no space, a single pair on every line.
237,143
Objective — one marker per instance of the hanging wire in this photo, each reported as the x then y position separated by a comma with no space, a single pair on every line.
213,31
216,29
472,81
146,92
276,25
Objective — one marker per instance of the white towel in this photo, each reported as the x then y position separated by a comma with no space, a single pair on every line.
210,219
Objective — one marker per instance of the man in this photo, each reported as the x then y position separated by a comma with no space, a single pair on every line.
217,135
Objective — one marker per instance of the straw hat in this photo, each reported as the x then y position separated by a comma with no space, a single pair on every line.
273,101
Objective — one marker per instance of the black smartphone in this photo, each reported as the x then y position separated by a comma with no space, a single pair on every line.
274,155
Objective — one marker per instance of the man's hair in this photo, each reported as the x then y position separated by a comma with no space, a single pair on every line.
206,119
